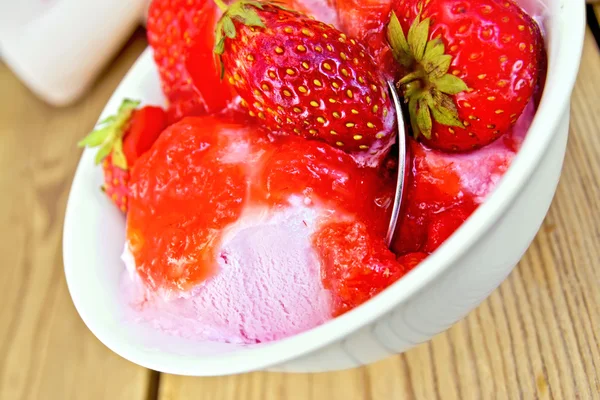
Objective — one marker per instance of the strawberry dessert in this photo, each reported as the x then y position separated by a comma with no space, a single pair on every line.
257,203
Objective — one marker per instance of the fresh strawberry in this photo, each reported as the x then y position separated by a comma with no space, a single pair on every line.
115,183
470,68
303,77
181,33
144,127
122,139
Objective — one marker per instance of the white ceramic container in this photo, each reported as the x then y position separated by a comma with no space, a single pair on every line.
441,291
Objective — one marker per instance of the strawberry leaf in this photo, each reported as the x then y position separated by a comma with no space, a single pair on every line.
446,117
247,15
95,138
434,49
222,66
412,112
242,11
219,43
252,18
259,5
410,91
104,151
444,110
424,118
127,105
228,27
108,120
450,84
417,38
118,157
398,43
426,84
413,76
438,67
111,130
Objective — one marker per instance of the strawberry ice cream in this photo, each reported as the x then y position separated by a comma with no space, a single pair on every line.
295,238
261,292
267,281
255,217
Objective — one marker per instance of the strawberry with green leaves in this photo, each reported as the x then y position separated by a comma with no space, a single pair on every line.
470,68
299,76
122,138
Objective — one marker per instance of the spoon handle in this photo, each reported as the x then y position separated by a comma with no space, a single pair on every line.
401,165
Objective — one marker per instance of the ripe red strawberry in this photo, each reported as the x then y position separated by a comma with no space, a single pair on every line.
181,33
116,182
471,67
122,139
301,76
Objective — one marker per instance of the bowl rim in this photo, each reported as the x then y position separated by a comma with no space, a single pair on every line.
562,71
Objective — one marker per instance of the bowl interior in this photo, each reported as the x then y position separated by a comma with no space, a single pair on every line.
95,232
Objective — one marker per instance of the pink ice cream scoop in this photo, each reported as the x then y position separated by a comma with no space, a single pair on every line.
269,279
268,285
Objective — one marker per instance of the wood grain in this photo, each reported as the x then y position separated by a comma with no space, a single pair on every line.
46,352
537,336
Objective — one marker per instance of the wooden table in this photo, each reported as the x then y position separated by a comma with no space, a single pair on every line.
537,336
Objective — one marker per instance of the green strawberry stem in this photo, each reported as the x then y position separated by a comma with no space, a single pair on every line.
427,85
108,135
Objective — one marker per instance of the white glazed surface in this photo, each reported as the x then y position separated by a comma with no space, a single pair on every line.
442,290
58,47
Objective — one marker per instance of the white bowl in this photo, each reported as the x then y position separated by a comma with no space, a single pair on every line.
442,290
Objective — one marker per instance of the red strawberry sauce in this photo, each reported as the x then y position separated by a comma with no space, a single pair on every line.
203,174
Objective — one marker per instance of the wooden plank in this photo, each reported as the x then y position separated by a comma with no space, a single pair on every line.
535,337
46,352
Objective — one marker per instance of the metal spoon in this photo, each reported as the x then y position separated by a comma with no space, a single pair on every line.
401,165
